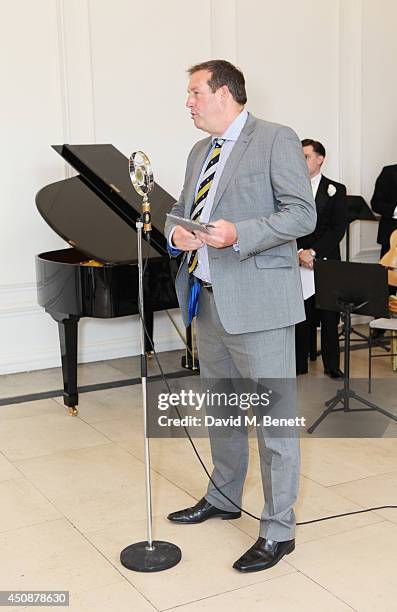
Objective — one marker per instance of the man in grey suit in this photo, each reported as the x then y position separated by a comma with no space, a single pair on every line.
249,179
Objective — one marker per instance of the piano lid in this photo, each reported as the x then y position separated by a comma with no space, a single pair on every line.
96,211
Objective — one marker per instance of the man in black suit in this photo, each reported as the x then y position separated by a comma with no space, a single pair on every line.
331,204
384,202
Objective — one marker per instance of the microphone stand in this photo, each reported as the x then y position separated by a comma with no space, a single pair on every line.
150,555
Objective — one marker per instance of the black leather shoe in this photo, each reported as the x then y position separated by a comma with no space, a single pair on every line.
263,554
334,373
201,512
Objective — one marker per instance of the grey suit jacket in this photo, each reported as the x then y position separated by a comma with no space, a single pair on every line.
265,190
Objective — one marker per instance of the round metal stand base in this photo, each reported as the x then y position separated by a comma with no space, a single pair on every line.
139,558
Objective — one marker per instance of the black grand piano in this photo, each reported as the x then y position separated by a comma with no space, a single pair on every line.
96,212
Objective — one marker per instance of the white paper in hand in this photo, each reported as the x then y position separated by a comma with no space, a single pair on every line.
307,279
188,224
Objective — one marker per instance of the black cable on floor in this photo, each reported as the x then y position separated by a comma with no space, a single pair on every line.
327,518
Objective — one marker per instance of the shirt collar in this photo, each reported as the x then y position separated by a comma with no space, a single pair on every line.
233,131
315,181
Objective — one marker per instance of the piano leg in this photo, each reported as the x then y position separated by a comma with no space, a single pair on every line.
67,329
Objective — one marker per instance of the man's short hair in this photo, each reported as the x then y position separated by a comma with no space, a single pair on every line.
317,146
224,73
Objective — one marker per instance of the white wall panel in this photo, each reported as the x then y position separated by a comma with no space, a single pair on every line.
289,53
30,121
224,28
379,90
75,67
379,100
140,54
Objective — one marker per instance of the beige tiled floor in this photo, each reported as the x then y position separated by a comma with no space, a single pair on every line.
285,594
72,497
200,574
43,380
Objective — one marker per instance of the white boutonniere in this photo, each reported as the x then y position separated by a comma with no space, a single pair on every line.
331,190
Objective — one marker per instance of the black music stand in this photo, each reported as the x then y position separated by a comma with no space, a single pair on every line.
357,210
349,288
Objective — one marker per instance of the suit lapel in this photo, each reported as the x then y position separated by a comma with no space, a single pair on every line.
233,160
322,195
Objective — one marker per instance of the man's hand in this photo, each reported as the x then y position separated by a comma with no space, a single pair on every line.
306,258
221,235
184,240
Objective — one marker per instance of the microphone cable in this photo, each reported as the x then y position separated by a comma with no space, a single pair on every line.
165,380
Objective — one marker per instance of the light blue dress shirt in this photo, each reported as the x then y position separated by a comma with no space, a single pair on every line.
230,136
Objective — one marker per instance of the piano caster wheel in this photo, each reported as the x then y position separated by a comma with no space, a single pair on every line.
188,364
73,411
149,355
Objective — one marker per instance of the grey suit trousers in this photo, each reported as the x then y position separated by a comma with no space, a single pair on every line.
263,354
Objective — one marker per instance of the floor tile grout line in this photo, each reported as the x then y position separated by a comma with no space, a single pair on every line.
233,524
118,581
333,535
85,448
100,423
338,533
325,589
63,517
343,497
44,495
264,581
385,518
14,462
61,450
85,536
359,479
107,442
240,588
152,469
20,477
156,471
324,485
375,511
53,520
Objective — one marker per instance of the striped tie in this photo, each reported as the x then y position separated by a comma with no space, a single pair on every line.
201,196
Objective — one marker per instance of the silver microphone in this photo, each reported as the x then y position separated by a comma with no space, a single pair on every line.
141,176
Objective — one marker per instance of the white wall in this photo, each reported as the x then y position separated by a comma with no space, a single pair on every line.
287,72
86,71
379,97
